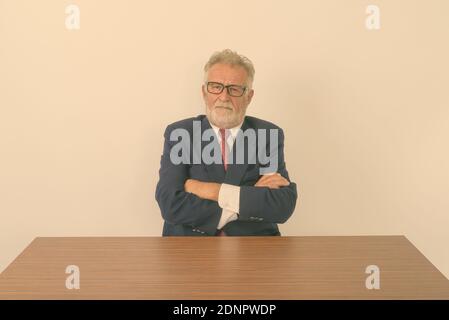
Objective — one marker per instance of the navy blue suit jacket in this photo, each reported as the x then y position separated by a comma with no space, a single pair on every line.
261,208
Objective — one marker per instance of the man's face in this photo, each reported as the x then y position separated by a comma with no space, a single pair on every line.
224,110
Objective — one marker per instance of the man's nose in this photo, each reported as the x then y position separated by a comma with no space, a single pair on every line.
224,96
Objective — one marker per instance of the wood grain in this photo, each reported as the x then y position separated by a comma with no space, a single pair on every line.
222,268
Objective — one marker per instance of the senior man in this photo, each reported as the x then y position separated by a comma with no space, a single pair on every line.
220,184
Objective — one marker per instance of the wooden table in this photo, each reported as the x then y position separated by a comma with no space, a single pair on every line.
222,268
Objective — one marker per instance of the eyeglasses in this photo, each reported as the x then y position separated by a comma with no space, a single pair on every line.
233,89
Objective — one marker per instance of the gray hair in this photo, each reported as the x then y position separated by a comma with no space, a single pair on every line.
227,56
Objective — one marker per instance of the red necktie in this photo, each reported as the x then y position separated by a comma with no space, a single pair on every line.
223,148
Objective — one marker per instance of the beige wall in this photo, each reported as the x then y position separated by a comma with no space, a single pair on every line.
366,113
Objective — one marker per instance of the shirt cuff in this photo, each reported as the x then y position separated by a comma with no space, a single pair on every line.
226,217
229,197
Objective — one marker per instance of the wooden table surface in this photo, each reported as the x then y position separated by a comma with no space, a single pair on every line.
222,268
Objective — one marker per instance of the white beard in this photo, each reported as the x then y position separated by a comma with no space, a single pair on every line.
223,118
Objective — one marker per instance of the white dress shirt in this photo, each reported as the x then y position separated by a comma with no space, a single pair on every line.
229,195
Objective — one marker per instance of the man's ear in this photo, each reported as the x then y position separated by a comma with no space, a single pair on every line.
250,95
203,90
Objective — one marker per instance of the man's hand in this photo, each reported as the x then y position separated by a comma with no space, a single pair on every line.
272,181
204,190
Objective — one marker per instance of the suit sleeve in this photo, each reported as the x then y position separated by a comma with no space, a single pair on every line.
259,204
178,206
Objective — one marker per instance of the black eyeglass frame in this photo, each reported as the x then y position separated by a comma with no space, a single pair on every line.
227,88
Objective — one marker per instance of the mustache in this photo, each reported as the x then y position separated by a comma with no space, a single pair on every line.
224,105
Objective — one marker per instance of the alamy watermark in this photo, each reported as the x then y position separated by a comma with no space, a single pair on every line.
372,21
188,150
373,280
72,20
73,280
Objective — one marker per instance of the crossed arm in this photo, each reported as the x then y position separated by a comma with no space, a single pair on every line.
211,190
